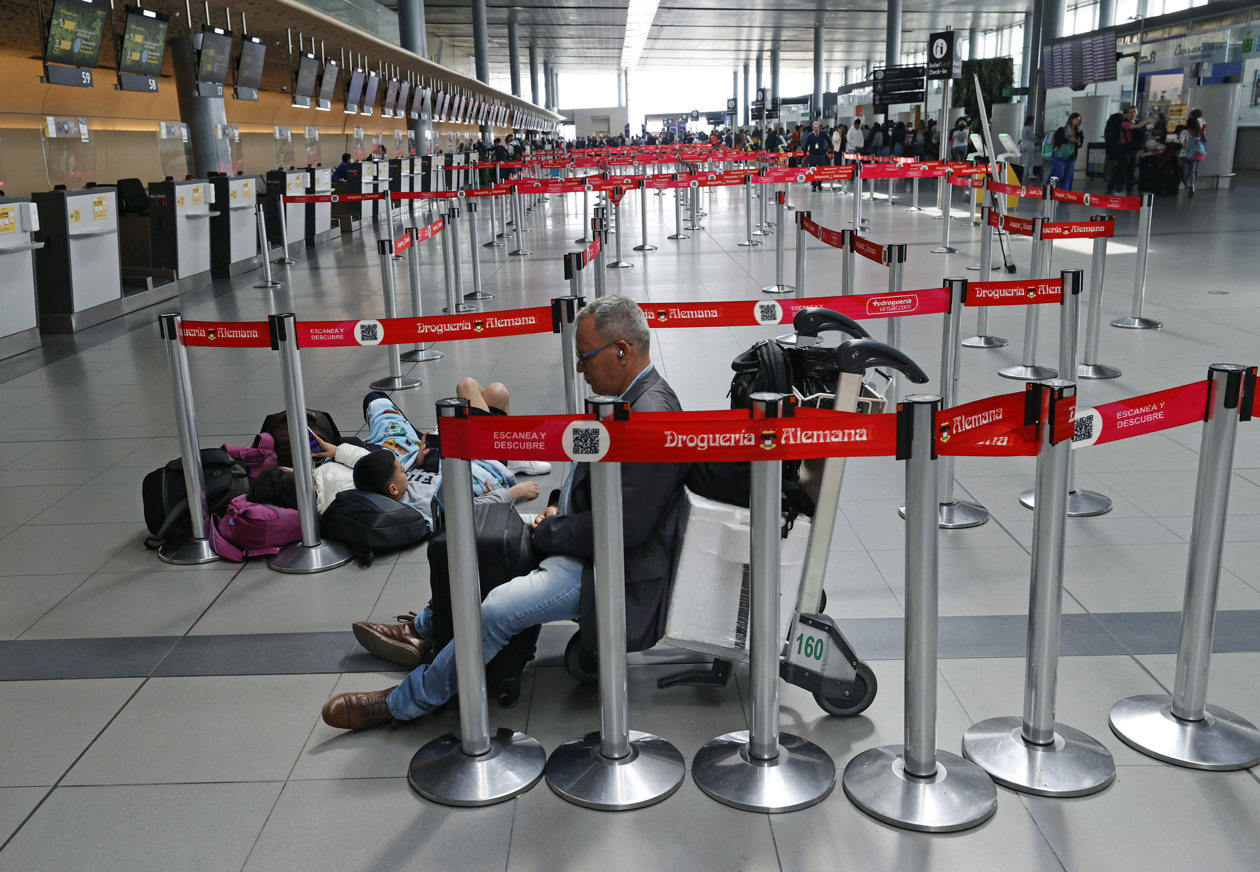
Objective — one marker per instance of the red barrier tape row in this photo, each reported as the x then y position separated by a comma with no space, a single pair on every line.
927,301
230,334
1026,293
974,182
400,331
1102,201
834,238
1136,416
1077,229
869,250
1016,190
1011,223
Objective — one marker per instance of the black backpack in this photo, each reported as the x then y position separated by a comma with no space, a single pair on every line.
165,498
369,523
504,551
1111,133
277,424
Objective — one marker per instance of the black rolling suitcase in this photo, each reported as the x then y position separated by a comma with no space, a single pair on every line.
1158,174
504,551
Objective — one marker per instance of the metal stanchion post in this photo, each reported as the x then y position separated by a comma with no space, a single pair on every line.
564,321
503,218
748,214
394,233
613,768
478,767
986,240
198,549
264,247
949,196
395,381
801,217
678,227
284,234
597,231
310,554
895,255
847,261
761,769
643,201
763,224
1183,728
914,196
615,214
858,223
1136,320
1034,754
418,354
779,287
983,339
915,785
517,220
573,273
694,202
1090,367
1028,369
450,266
586,216
494,220
476,293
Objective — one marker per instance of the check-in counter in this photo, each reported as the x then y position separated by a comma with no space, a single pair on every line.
319,226
179,229
19,319
234,229
79,269
287,183
352,215
376,174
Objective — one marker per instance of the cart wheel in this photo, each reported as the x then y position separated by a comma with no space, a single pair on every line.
822,602
579,663
864,691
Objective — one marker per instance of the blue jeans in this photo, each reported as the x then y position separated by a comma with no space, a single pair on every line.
1065,170
549,593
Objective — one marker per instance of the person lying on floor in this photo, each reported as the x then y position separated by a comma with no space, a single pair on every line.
614,357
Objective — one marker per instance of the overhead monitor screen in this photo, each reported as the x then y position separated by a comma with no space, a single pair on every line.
369,97
308,66
215,57
144,42
354,90
328,84
74,32
250,69
404,91
391,94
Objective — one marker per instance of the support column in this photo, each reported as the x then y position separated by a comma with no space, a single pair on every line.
481,55
412,34
547,96
621,91
1106,13
1036,80
757,90
973,44
1025,69
746,108
514,53
818,71
735,94
555,88
533,74
892,34
774,73
203,115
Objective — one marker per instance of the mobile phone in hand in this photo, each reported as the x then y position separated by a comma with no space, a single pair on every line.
316,448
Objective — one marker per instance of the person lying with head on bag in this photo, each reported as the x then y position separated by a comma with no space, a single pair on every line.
614,357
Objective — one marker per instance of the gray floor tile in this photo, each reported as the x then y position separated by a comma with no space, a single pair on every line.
1231,680
330,824
27,597
143,827
1151,578
248,728
133,604
55,549
267,654
47,724
18,505
15,804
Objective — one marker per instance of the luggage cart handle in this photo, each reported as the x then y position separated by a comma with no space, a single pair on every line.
859,355
814,320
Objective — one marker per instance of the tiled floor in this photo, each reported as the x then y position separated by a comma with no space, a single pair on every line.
164,718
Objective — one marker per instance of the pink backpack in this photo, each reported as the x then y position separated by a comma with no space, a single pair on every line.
256,457
248,529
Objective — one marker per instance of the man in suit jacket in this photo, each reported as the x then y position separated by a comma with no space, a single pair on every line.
614,357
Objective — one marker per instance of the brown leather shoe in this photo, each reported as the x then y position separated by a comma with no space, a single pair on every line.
397,643
358,711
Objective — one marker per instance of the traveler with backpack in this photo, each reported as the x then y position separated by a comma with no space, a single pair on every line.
1067,141
614,356
960,140
1130,140
1193,151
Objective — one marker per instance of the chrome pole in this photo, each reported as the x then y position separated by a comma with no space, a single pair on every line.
895,255
476,293
395,381
1136,320
847,261
945,215
564,315
517,220
748,214
643,202
779,287
1028,369
1090,367
615,214
417,354
265,248
284,228
801,217
982,339
678,227
953,514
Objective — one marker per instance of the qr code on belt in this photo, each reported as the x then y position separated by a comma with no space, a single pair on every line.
767,312
585,441
369,332
1083,429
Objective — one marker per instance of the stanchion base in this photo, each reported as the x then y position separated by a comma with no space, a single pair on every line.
1075,765
798,339
508,236
478,295
1138,323
579,773
460,308
1080,503
779,289
1096,370
440,771
984,342
679,236
944,249
189,553
956,515
284,261
620,264
1028,373
959,796
297,559
802,775
396,383
582,240
644,247
750,242
762,233
271,284
700,227
975,267
520,252
421,355
494,243
914,208
1221,741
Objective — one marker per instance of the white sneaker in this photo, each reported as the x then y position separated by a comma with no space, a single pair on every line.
528,467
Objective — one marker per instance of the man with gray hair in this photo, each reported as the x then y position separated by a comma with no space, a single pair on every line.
613,346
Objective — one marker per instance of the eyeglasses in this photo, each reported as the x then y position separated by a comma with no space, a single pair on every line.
584,356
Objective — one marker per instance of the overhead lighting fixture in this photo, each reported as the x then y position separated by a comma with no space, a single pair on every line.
639,16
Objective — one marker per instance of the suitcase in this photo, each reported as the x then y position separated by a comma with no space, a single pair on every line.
504,551
1158,174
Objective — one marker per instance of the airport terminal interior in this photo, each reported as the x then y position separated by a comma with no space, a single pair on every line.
160,716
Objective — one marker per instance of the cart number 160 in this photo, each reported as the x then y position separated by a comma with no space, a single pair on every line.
811,647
